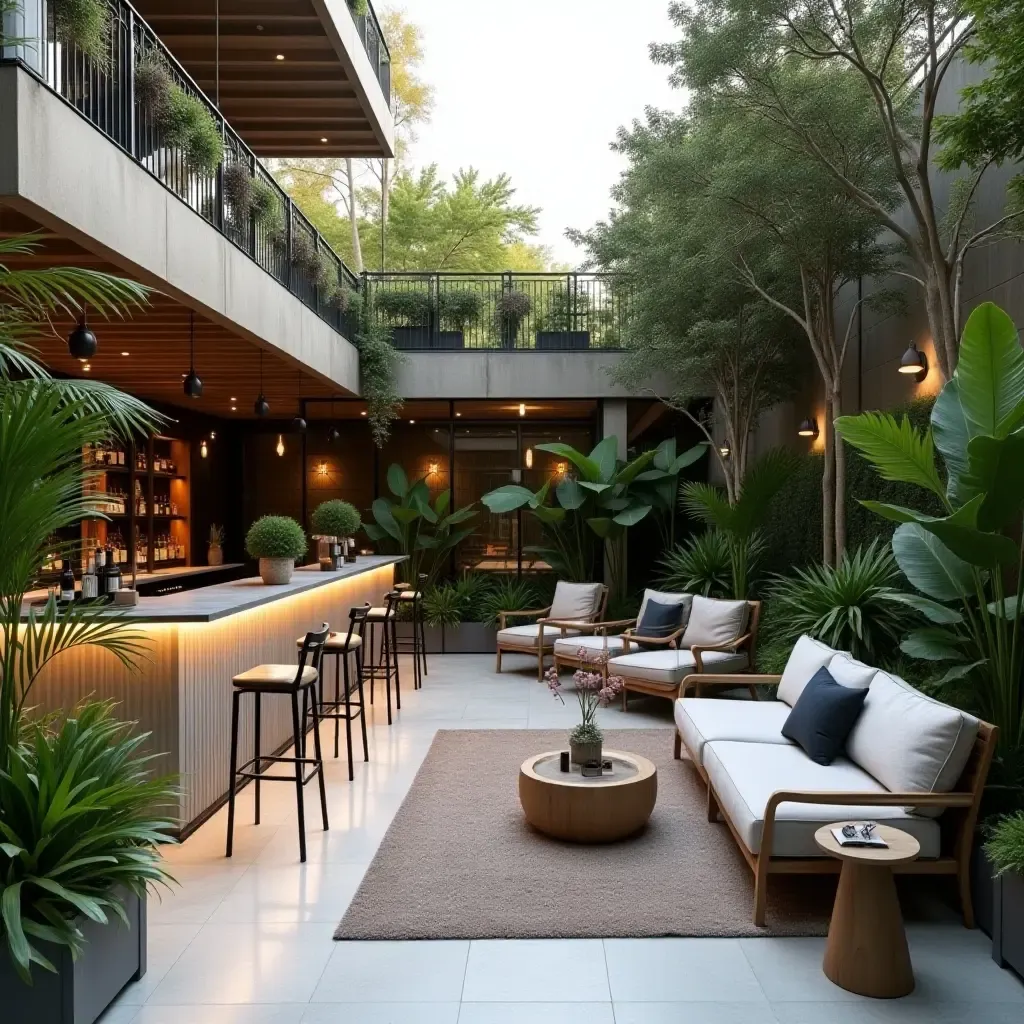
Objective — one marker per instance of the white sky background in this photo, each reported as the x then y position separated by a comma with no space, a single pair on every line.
537,89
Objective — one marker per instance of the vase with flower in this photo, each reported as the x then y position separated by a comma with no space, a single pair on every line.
594,689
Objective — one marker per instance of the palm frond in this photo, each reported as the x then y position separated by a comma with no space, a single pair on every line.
706,503
762,481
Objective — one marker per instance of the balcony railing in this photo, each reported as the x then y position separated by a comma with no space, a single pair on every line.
376,46
513,311
285,243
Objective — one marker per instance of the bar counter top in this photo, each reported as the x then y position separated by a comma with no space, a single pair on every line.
208,604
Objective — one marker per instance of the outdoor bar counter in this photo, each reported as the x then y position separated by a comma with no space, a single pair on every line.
198,640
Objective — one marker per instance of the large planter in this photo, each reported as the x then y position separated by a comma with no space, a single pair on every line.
982,886
470,638
433,636
80,991
449,340
276,571
562,341
411,338
1008,921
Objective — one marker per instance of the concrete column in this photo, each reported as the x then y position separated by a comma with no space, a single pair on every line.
614,422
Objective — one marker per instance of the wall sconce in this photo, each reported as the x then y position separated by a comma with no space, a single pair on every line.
724,450
203,450
562,468
433,469
322,469
529,458
280,445
914,363
808,428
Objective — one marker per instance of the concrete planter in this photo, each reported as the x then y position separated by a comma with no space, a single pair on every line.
470,638
1008,922
433,635
563,341
276,571
80,991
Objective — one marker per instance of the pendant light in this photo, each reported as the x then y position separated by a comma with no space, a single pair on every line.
192,385
261,406
82,343
298,423
280,445
334,434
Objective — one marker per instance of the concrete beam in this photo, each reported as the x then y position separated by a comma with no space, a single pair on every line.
60,170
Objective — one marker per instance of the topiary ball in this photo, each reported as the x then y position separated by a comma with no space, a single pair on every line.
335,519
275,537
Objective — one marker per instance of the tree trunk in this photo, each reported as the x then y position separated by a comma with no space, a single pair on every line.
941,322
828,492
353,218
839,458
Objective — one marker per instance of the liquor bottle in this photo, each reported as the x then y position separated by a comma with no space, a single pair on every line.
120,458
101,573
90,590
113,573
67,581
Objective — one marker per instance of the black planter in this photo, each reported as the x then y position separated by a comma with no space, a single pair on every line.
1008,922
562,341
411,338
80,991
982,886
449,340
470,638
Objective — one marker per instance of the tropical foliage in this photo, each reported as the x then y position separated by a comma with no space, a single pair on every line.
1005,846
509,594
700,565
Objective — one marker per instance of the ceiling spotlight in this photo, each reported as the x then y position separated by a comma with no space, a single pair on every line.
280,56
213,435
808,428
323,139
193,386
458,414
333,435
298,425
82,342
522,408
914,363
126,353
363,413
280,445
234,408
203,450
411,422
232,399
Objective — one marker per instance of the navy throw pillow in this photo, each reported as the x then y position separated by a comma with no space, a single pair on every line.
659,620
823,716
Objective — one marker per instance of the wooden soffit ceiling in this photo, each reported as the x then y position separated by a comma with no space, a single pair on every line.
280,108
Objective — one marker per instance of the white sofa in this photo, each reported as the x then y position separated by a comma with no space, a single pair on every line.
773,797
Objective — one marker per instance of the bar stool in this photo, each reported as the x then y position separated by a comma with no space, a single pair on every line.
387,666
288,680
417,644
341,645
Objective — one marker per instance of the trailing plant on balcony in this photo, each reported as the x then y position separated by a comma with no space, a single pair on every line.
378,366
459,307
360,8
85,24
268,210
411,307
238,189
511,308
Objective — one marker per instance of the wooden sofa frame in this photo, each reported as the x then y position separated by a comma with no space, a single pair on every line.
747,642
561,625
957,826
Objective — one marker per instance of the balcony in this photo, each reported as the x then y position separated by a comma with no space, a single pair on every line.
283,242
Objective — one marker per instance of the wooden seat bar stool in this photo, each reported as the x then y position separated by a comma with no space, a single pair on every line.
386,666
292,682
342,708
416,644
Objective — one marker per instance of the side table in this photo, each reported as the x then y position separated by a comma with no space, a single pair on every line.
867,950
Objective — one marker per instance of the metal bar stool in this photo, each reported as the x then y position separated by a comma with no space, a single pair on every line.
287,680
342,708
416,645
387,665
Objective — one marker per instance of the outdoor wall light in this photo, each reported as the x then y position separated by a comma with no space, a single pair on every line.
192,385
562,468
203,449
82,343
280,445
529,458
724,450
914,363
808,428
322,469
333,435
433,469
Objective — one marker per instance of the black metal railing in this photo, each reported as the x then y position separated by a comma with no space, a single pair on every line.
515,311
376,46
105,94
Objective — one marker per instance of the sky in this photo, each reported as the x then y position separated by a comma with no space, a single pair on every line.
537,89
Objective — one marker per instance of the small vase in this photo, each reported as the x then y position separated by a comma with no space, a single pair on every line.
582,753
276,571
214,555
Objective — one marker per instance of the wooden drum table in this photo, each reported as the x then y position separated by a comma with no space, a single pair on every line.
867,950
566,805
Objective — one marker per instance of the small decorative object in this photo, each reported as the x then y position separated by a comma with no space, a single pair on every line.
276,541
563,761
126,598
593,690
591,770
334,522
215,550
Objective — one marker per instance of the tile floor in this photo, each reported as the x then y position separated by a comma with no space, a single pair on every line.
248,941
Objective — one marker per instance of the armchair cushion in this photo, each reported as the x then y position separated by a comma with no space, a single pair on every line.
664,597
659,620
823,717
703,719
848,671
714,622
669,667
527,637
909,741
745,775
576,601
807,656
566,647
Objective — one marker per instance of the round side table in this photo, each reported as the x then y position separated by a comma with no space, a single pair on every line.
867,950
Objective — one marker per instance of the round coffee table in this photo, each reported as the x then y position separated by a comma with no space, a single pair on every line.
867,950
588,810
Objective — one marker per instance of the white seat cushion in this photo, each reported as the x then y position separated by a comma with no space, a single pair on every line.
576,601
807,656
848,671
909,741
527,636
274,675
745,775
566,647
670,667
380,613
713,622
701,720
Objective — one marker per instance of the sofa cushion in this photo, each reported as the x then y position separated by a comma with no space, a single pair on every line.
807,656
658,621
575,601
671,667
664,597
703,719
713,622
909,741
566,647
823,717
745,775
848,671
527,636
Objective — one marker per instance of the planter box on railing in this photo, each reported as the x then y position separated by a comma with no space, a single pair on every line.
562,341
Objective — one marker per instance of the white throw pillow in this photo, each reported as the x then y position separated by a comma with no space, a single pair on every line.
713,622
807,656
848,671
575,601
910,742
664,598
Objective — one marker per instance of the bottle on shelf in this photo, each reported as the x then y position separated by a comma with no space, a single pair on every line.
101,573
113,573
90,589
67,581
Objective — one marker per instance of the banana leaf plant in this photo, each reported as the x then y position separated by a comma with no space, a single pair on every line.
596,504
410,525
966,564
660,485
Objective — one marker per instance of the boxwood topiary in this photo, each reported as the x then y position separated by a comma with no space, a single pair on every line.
335,519
275,537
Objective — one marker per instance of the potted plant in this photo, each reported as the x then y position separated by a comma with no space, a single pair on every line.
276,541
557,330
409,313
1005,850
334,524
510,310
215,548
456,309
593,690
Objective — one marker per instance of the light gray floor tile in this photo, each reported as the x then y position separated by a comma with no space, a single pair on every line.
695,1013
381,1013
789,970
544,970
222,1014
897,1011
536,1013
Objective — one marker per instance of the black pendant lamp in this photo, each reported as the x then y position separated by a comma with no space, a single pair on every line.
298,423
192,384
334,434
82,343
261,406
